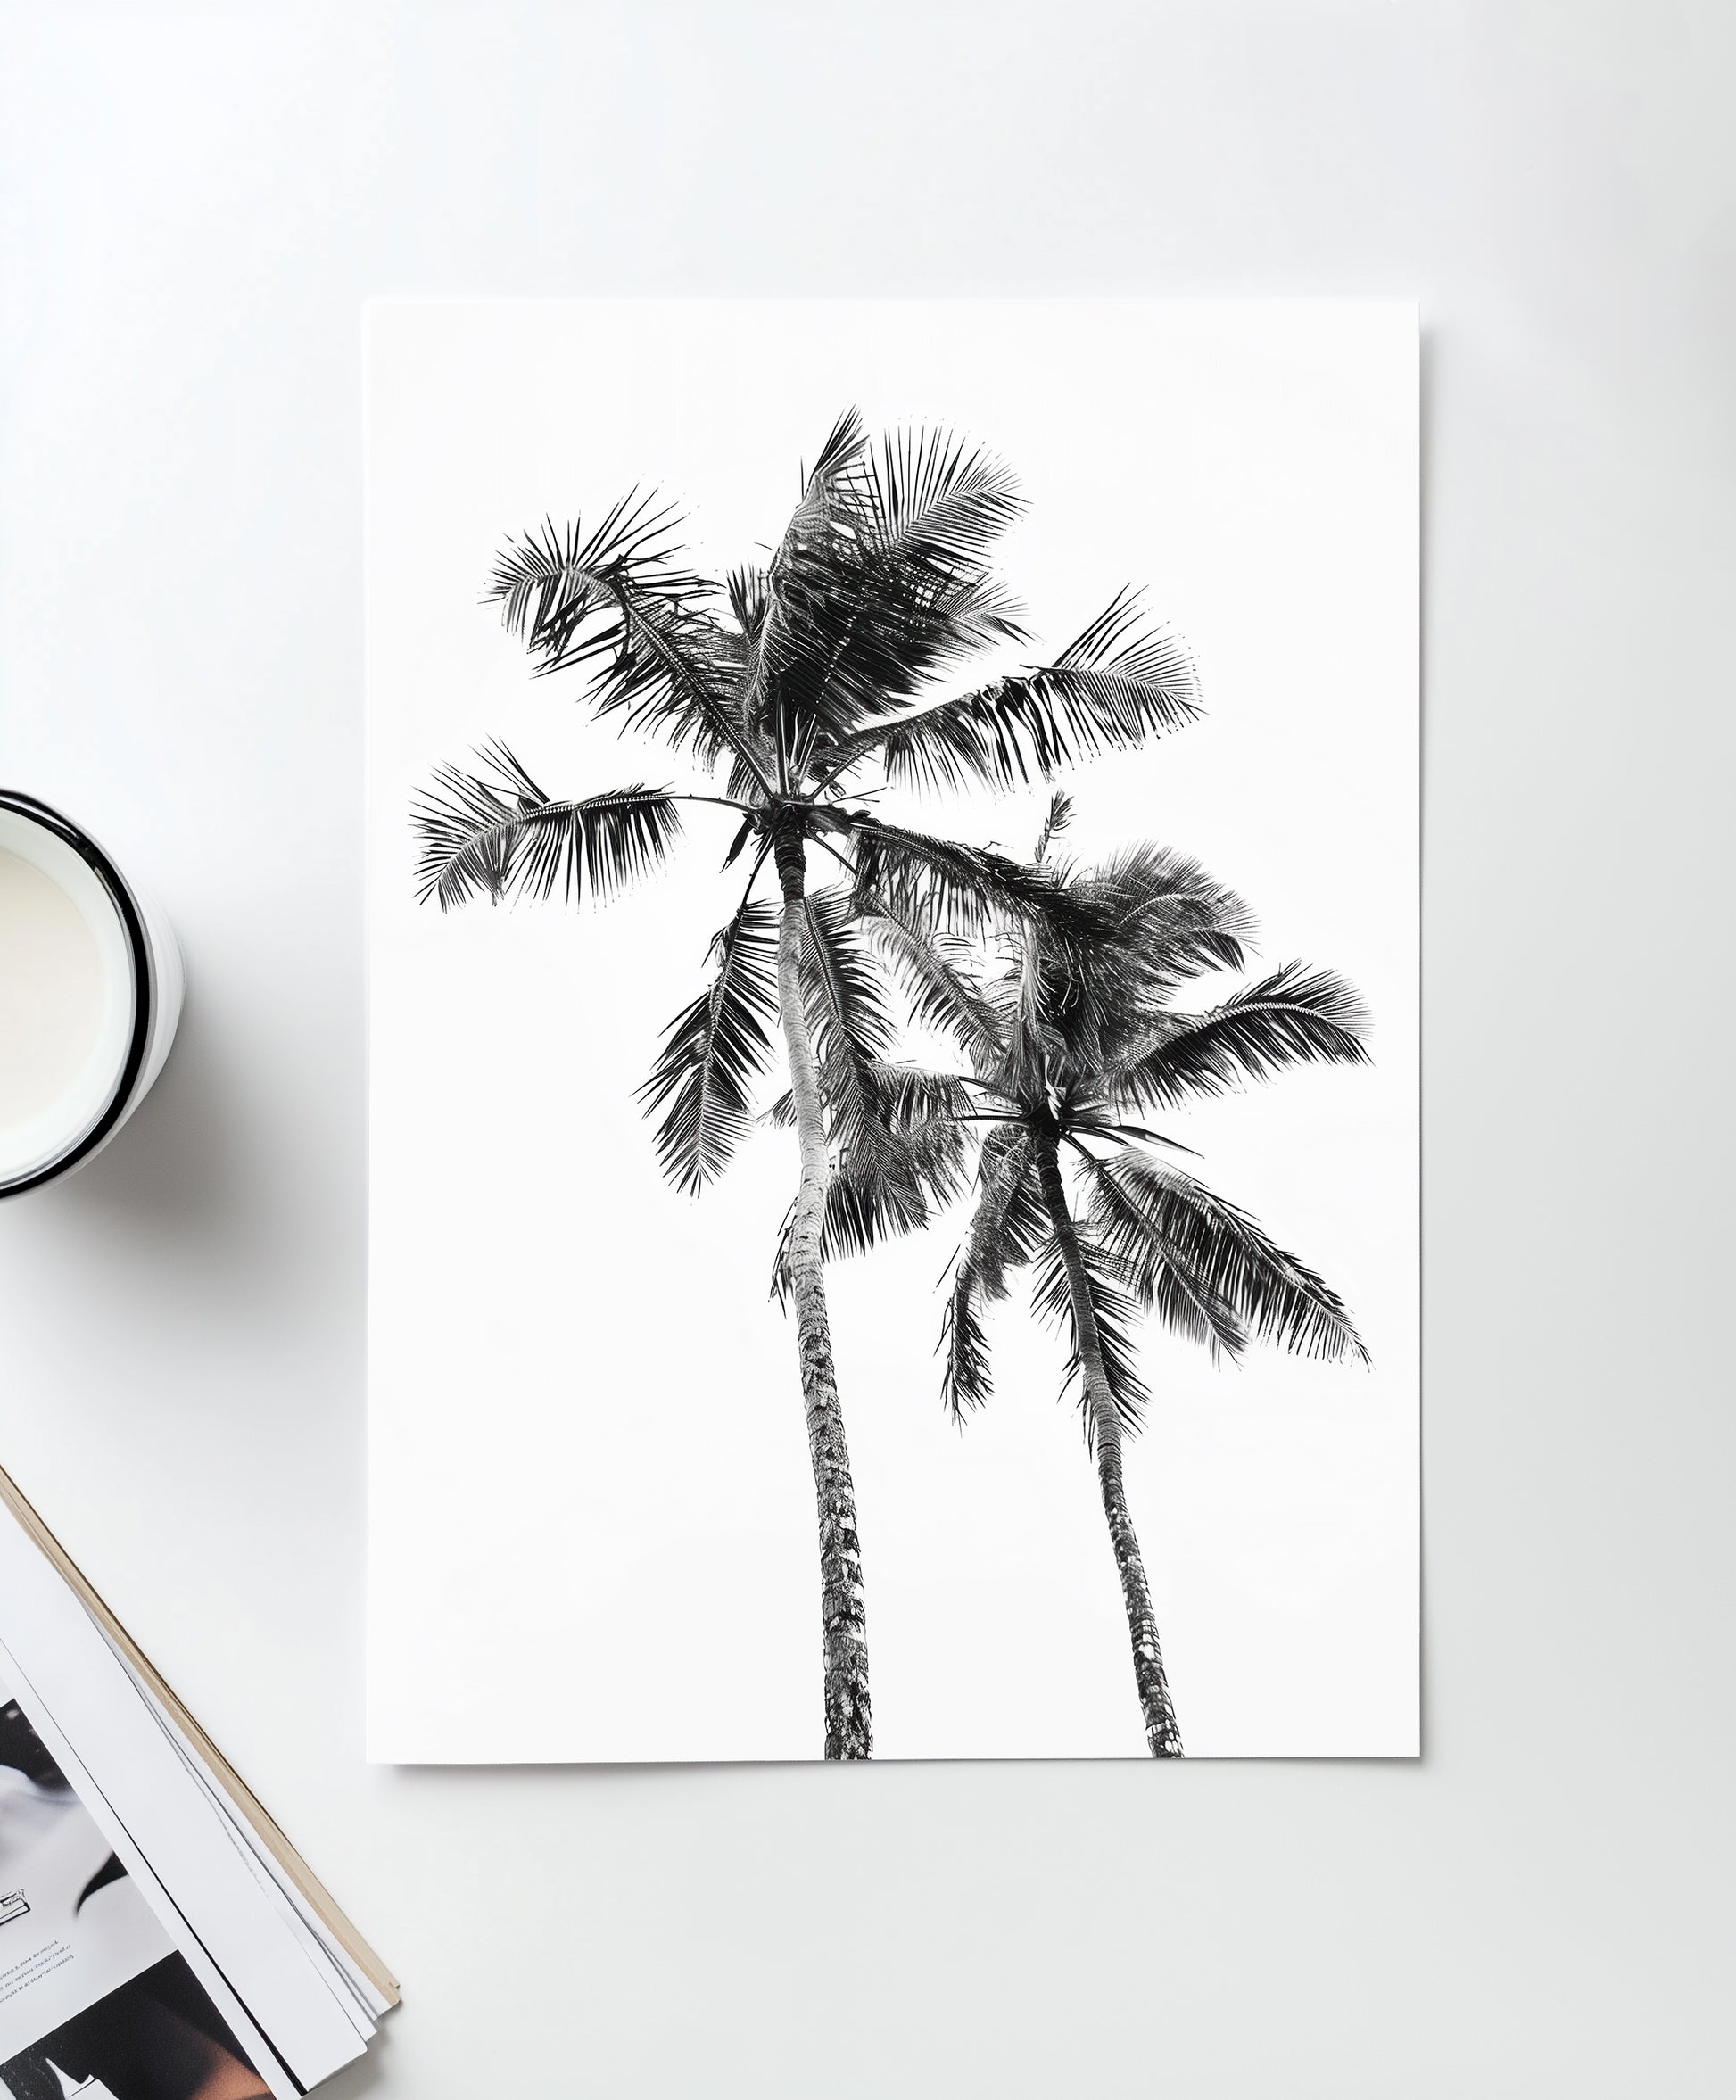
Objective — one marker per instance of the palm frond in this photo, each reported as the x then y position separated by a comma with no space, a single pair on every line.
1173,920
896,1149
884,1186
967,1380
616,597
844,1000
846,443
934,501
965,889
914,1097
1009,1208
1059,815
1159,1215
907,1097
1114,1311
1128,677
497,834
799,597
933,969
1161,1275
714,1049
1290,1018
677,672
1032,998
974,615
1085,1120
1163,921
750,769
1123,682
746,591
545,582
1006,1228
877,585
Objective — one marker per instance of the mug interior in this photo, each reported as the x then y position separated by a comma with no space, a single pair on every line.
70,992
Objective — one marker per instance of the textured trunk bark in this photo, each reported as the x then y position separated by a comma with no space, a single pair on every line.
849,1728
1162,1735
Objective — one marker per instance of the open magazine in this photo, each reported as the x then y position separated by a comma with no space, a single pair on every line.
159,1938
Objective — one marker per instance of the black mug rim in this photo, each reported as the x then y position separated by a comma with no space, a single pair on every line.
145,1002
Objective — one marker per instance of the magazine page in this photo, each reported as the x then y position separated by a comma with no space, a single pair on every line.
73,1924
354,1989
75,1685
358,1970
95,1999
361,1979
168,1907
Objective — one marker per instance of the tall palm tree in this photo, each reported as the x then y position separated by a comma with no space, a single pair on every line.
788,685
1072,1038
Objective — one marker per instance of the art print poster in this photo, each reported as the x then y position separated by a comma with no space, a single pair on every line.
892,873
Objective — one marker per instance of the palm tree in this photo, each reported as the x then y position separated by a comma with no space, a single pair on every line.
1071,1041
786,684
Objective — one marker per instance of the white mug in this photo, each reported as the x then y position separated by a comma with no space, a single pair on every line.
90,992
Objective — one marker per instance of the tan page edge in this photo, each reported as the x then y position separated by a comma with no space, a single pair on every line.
318,1895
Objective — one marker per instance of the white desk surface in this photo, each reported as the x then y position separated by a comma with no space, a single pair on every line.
193,204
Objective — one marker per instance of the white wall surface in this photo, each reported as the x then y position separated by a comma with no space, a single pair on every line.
195,202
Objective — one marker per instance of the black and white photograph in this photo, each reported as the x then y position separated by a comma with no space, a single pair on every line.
157,2037
94,2000
73,1924
893,1012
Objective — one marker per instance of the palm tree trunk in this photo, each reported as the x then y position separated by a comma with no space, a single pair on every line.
1162,1735
849,1728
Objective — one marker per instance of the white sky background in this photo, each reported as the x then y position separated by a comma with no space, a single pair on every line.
592,1527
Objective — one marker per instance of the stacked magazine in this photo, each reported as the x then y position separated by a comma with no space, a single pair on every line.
159,1938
